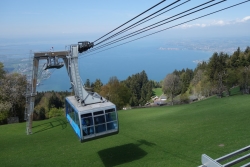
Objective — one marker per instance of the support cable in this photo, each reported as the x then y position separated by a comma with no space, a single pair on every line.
159,14
131,19
143,29
169,28
135,24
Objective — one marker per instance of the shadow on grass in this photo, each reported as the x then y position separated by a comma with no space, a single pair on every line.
145,142
123,154
49,125
233,91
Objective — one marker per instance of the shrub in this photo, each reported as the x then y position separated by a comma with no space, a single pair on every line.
4,112
54,112
184,98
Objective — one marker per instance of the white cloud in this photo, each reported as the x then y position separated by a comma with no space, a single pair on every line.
215,23
220,23
245,19
193,25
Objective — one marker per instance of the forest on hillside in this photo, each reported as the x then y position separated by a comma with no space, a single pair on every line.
219,74
213,77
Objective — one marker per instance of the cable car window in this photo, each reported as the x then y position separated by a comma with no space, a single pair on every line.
71,112
110,116
100,123
77,120
87,115
99,119
110,110
87,121
100,128
73,115
112,125
87,124
98,113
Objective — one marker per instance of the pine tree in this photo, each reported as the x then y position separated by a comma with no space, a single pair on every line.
87,83
97,85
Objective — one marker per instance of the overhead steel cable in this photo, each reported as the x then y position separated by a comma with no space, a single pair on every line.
138,31
168,28
131,19
141,30
135,24
158,15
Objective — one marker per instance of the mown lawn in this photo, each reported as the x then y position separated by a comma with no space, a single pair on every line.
164,136
157,91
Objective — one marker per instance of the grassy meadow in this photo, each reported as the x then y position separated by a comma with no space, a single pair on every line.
172,136
157,91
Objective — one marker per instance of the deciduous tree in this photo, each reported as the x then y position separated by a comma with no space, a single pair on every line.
4,111
116,92
171,86
13,89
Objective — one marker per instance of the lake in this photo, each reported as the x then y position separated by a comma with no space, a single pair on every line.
123,62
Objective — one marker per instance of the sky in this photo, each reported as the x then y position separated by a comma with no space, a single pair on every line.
79,20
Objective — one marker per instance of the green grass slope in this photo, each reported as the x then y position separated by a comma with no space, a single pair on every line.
157,91
164,136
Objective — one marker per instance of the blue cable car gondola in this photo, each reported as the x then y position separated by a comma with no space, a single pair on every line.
90,115
92,121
